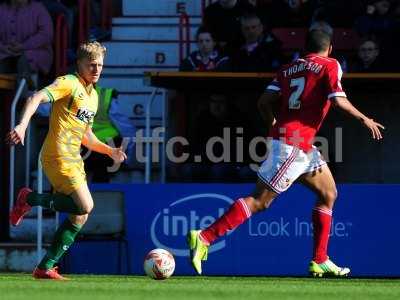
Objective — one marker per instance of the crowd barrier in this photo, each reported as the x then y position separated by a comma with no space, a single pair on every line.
277,242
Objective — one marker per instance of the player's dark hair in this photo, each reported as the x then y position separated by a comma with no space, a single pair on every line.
317,41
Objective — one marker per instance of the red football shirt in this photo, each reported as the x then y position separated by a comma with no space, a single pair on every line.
306,85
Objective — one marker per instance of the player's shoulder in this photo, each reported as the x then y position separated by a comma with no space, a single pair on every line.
65,82
327,61
67,79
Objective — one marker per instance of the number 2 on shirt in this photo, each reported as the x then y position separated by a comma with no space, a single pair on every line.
294,99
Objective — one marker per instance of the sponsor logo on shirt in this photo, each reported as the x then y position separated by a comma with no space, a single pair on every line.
85,115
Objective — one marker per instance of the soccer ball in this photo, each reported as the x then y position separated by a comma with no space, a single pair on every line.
159,264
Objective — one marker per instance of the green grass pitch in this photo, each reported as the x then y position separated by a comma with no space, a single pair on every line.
23,287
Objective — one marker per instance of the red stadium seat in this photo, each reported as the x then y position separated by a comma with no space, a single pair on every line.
345,39
291,38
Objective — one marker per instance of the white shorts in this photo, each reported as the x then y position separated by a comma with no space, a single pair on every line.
286,163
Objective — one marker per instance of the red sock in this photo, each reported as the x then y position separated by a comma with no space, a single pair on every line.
232,218
322,219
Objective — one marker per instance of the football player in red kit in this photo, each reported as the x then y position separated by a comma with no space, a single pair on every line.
305,90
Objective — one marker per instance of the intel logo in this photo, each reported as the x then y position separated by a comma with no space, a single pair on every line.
170,226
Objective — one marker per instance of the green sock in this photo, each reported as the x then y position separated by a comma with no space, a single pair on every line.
57,202
63,239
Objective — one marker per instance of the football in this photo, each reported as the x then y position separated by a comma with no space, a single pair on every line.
159,264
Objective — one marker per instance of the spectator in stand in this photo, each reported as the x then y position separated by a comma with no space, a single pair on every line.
261,51
368,59
339,13
222,121
207,58
392,45
376,20
222,18
26,36
288,13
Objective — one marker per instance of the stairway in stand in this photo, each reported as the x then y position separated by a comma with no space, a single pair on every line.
145,38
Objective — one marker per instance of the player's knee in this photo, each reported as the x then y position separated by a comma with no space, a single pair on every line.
79,220
86,208
331,195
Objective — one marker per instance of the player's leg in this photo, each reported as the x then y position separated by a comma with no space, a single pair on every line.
26,199
65,234
275,176
237,213
65,180
322,183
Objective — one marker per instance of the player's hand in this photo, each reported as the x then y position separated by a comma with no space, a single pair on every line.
118,155
374,127
16,136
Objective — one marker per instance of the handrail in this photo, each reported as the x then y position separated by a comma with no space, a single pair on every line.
204,4
106,14
184,36
15,101
61,45
147,171
39,224
149,75
245,81
148,140
164,146
84,20
7,82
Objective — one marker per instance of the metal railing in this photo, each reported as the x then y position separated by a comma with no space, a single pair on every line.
106,14
148,140
204,4
15,101
39,233
61,45
83,20
184,36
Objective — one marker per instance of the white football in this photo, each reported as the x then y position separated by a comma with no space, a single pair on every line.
159,264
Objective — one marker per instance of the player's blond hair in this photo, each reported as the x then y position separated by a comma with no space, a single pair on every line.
90,50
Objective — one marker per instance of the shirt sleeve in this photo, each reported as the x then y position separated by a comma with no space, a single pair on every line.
62,87
274,86
334,77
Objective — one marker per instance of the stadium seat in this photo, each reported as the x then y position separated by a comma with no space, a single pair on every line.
291,38
107,223
345,39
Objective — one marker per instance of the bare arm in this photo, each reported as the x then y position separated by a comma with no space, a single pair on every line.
345,105
93,143
17,134
265,106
